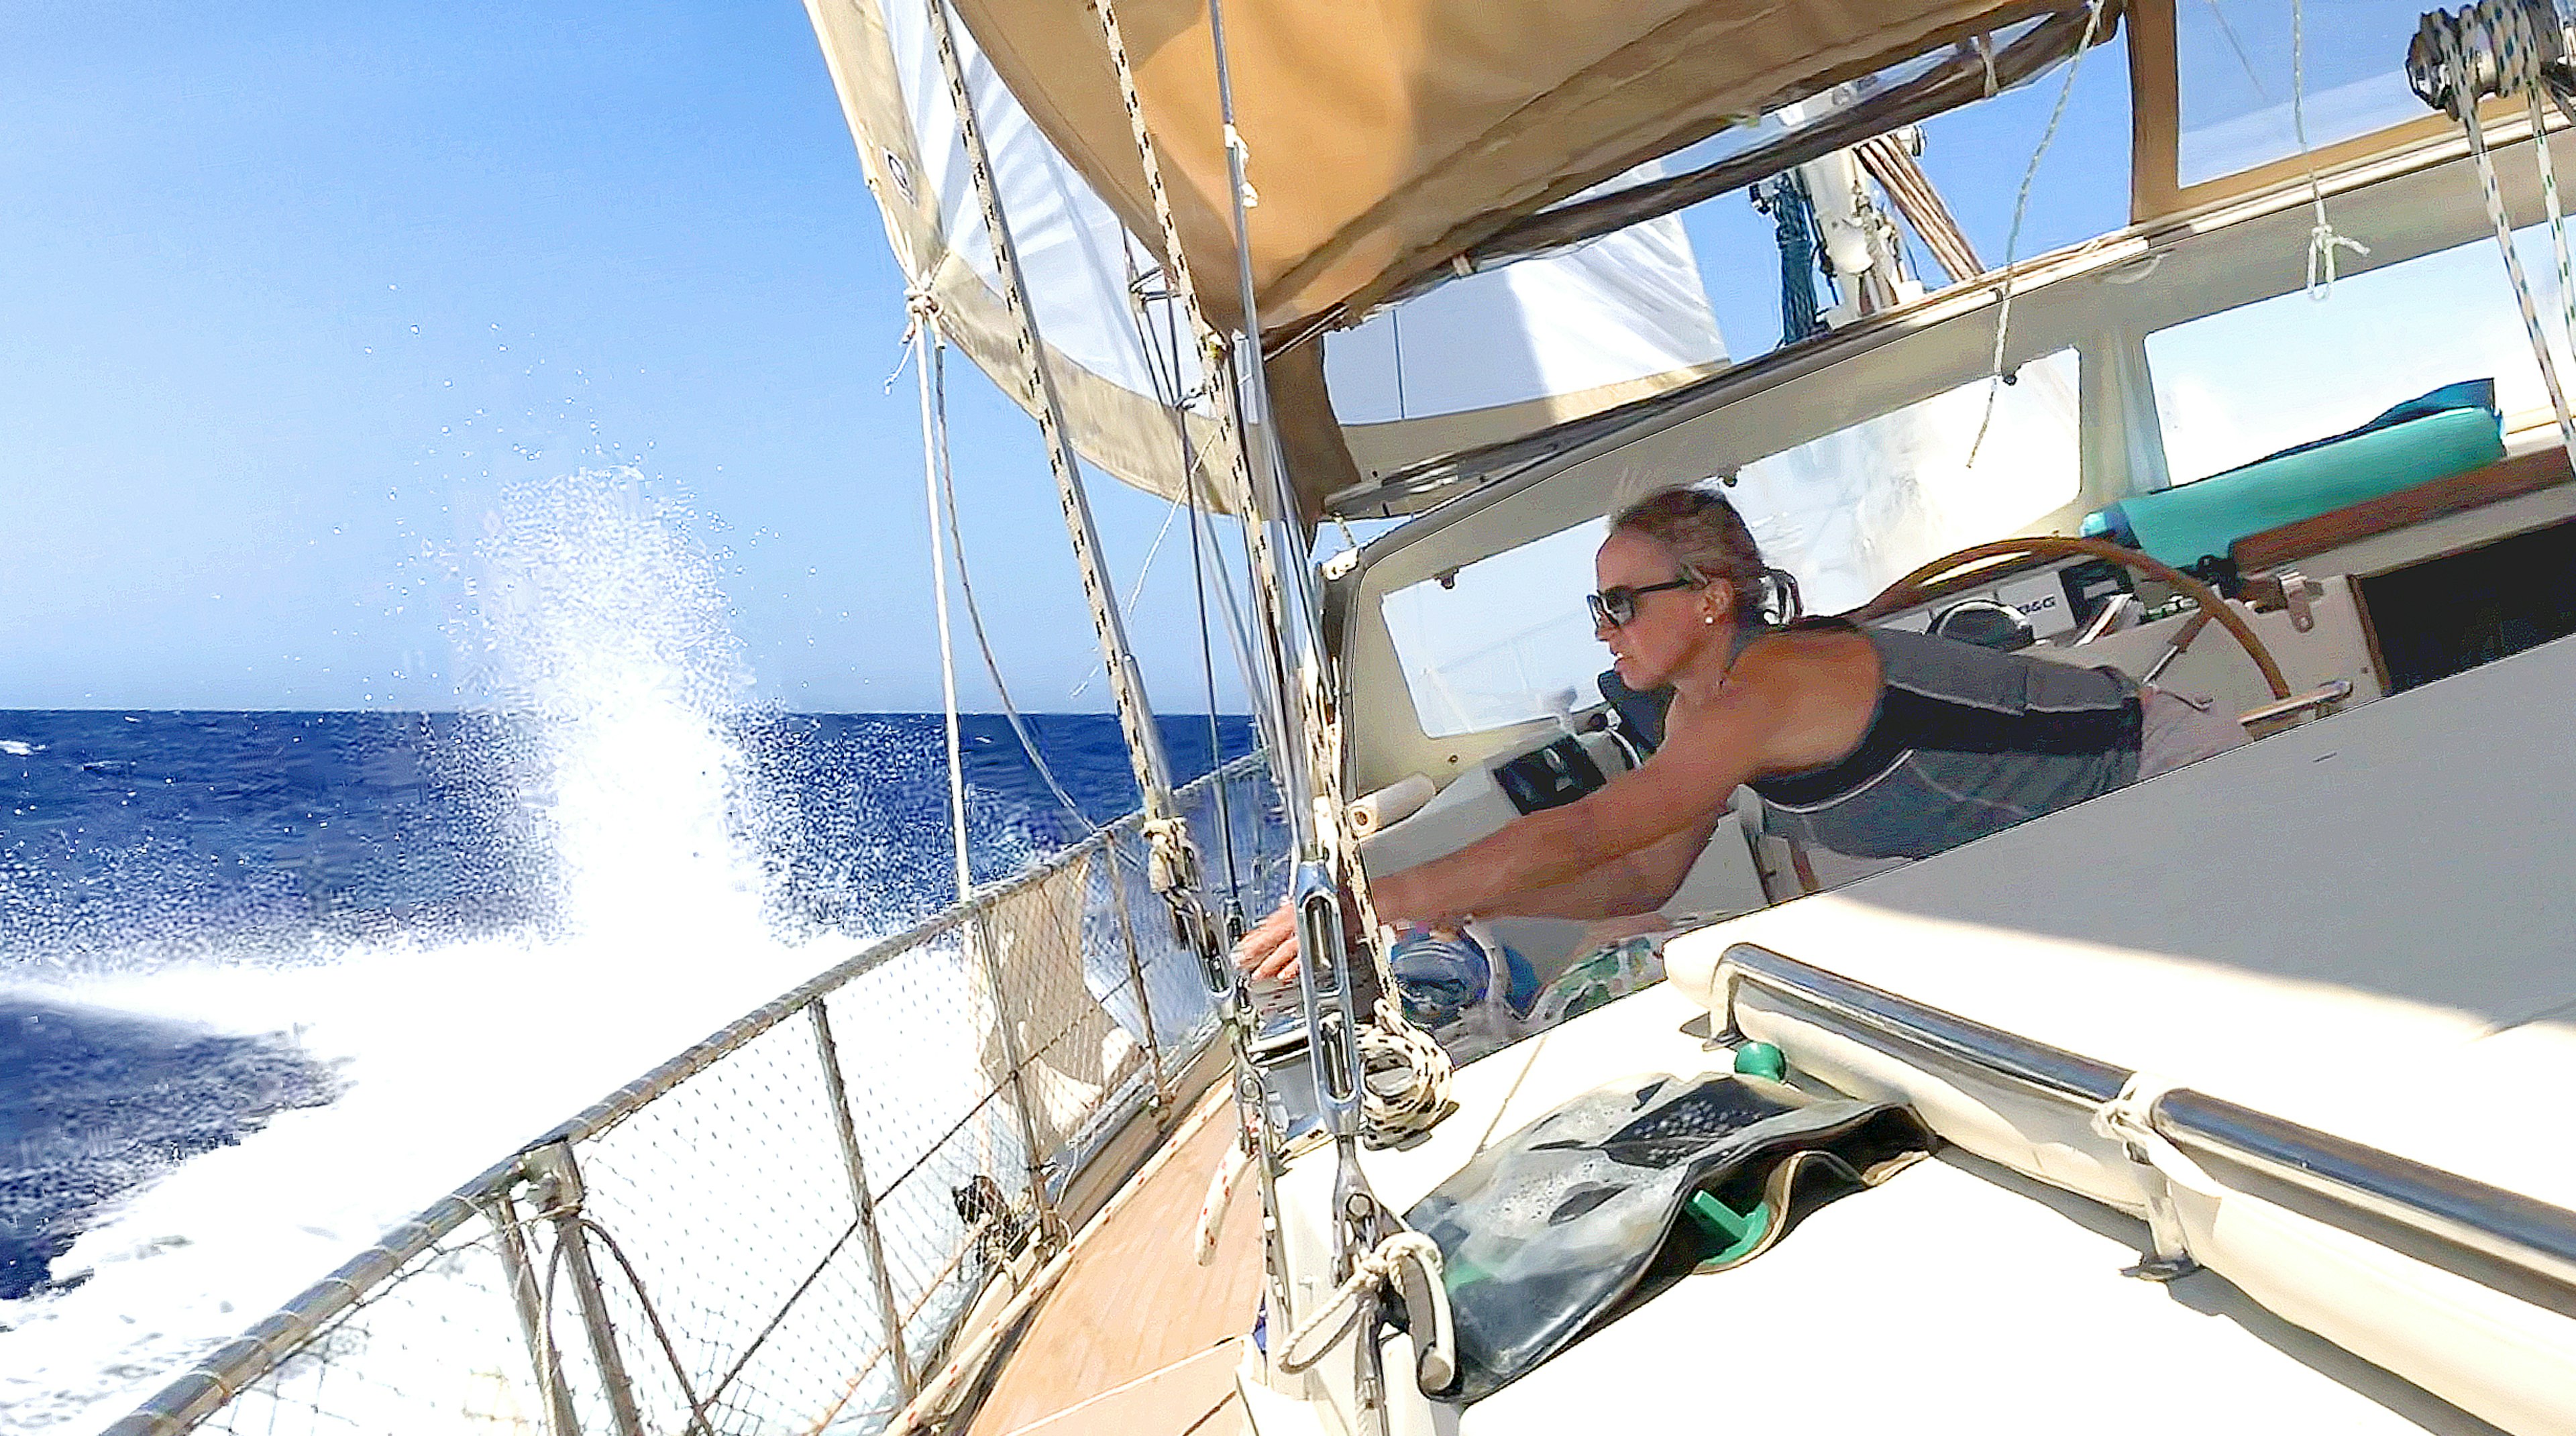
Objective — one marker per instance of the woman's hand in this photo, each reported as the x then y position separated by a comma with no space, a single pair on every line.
1269,951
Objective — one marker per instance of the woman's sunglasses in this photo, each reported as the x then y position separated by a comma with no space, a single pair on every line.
1614,607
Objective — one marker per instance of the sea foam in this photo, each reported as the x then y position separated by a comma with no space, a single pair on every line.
595,629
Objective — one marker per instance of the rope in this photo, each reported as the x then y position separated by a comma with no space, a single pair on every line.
1163,363
661,1334
1395,1109
1176,257
975,610
2322,239
549,1360
1126,682
930,479
2499,33
549,1356
1190,459
1793,229
2021,207
1409,1261
2557,220
1218,1201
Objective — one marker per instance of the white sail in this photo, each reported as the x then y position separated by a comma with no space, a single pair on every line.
1080,261
1490,358
1508,352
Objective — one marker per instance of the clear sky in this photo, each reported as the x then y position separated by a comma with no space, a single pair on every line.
290,292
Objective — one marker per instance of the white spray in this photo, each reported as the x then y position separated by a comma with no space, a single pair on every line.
595,630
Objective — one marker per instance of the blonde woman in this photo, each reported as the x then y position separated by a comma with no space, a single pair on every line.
1872,742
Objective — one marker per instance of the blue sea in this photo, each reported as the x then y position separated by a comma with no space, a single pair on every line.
440,931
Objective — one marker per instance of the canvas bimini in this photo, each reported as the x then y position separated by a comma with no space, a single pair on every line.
2224,1100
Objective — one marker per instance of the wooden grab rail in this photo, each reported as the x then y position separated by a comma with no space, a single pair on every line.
2504,479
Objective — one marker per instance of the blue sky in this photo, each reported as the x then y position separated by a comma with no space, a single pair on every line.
290,292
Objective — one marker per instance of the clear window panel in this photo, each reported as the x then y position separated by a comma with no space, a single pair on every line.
1856,510
1505,640
1508,638
2248,382
2233,60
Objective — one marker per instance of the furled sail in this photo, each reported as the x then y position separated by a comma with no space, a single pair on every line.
1479,362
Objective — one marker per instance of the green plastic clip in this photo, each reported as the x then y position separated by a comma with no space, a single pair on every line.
1739,1232
1761,1059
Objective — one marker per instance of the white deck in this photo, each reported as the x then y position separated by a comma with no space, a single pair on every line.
2388,953
1958,1294
2366,925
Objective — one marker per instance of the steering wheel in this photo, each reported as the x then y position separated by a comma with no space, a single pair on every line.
1912,589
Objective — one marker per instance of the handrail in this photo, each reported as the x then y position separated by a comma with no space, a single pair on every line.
2050,1071
2508,1226
2532,1236
192,1398
623,1102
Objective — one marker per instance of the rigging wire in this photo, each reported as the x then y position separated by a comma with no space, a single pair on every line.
926,340
2021,207
1163,362
1207,645
2245,61
1135,590
1198,589
1176,397
935,435
1216,742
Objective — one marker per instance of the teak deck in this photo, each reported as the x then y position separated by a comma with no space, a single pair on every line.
1137,1336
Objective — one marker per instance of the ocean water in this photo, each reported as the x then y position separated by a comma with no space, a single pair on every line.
231,941
271,982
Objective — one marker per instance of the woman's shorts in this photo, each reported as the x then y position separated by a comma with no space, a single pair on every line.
2173,732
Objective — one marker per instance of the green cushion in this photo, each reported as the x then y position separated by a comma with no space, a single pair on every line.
2185,524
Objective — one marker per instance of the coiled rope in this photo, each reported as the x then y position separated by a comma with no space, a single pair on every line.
1404,1078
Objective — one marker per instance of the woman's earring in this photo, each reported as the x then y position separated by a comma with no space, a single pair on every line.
1708,618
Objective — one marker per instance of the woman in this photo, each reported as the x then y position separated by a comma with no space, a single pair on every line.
1872,742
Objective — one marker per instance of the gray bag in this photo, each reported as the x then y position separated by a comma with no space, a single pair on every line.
1594,1208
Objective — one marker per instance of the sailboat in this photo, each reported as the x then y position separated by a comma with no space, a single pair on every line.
2223,1100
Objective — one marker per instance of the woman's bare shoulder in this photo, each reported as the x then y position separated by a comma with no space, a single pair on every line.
1808,692
1805,651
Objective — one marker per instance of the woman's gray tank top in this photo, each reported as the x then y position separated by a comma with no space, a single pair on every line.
1965,741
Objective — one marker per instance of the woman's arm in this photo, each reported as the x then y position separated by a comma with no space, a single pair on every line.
1681,790
1624,886
1631,886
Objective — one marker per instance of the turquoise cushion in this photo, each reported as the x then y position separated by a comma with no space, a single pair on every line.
2183,525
